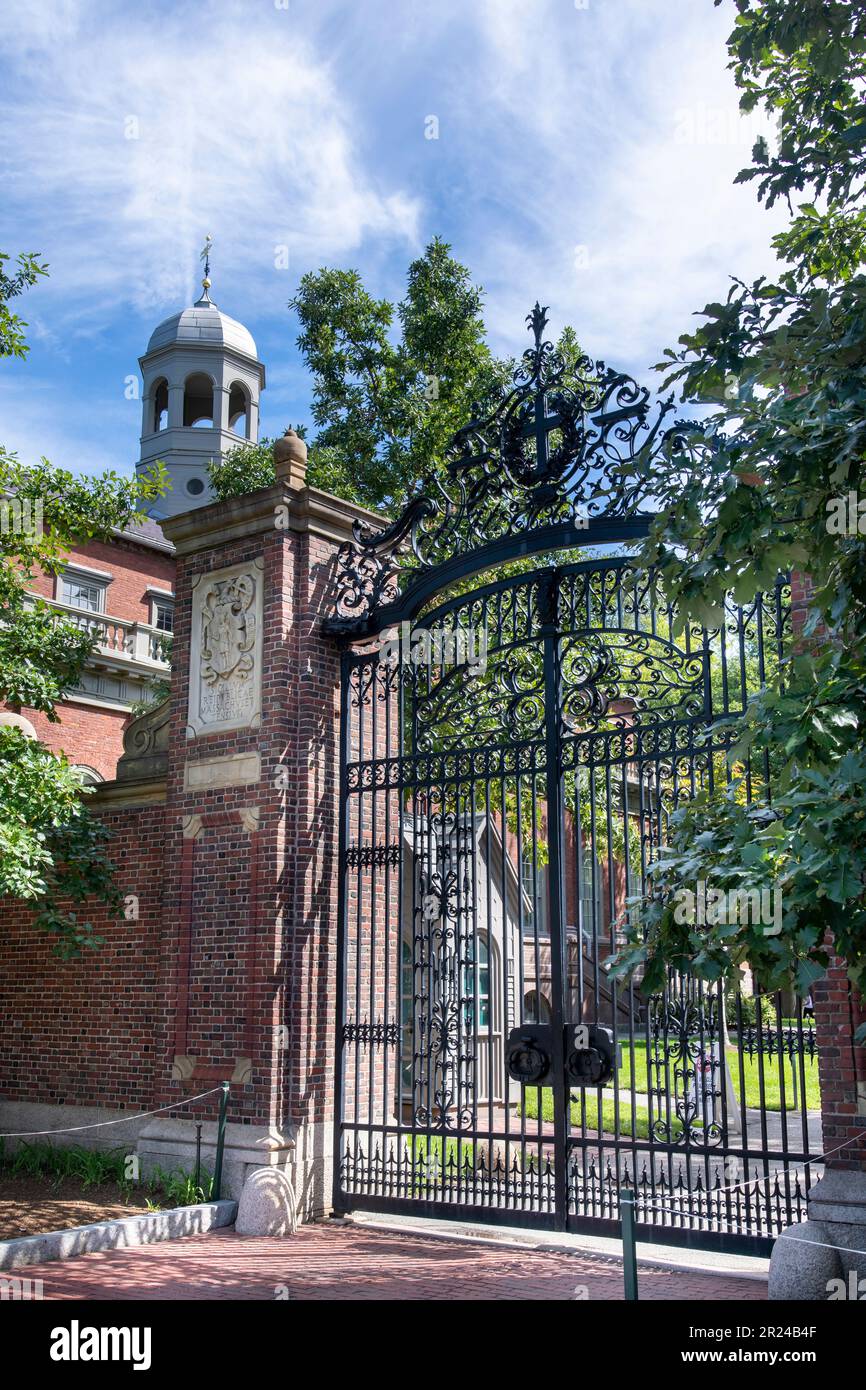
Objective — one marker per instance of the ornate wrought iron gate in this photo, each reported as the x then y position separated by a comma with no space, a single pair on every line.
511,755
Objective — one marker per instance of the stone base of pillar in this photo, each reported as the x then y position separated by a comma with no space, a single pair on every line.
170,1144
305,1157
824,1258
312,1170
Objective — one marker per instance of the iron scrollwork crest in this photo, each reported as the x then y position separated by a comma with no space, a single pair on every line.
562,447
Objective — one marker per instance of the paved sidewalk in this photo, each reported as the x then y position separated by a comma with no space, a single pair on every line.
335,1260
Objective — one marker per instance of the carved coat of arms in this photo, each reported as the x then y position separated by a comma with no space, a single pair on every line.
225,650
228,630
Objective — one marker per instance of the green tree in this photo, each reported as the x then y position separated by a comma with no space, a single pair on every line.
52,851
385,405
781,368
242,469
392,383
12,339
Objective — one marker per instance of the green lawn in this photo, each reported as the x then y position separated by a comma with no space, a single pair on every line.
633,1120
751,1076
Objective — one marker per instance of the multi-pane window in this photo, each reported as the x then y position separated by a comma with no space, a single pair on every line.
591,914
481,992
163,617
82,593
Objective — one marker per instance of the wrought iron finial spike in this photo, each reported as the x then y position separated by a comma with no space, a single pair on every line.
537,321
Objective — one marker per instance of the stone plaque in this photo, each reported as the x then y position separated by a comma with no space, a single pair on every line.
233,770
226,651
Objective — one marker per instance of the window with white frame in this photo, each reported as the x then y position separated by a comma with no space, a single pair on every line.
163,615
80,591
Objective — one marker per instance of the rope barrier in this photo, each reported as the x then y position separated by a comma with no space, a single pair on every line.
825,1243
710,1194
102,1124
697,1216
750,1182
629,1201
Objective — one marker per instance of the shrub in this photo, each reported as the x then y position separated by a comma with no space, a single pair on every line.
749,1005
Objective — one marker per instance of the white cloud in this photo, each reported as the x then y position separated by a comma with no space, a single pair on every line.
613,136
73,431
130,137
566,137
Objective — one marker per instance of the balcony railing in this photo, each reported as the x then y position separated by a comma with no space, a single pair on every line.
139,642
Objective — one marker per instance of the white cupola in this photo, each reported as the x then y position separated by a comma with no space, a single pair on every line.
202,382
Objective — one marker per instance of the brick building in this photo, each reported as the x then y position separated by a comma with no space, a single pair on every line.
122,592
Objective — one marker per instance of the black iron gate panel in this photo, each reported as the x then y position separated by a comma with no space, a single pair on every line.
511,762
511,757
435,899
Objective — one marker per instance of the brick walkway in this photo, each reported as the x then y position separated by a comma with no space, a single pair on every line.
336,1261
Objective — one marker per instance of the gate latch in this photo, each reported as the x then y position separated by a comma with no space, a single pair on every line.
528,1055
589,1054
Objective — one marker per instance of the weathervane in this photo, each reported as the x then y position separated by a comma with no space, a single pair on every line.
205,256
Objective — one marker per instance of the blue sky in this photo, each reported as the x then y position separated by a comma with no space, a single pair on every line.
585,156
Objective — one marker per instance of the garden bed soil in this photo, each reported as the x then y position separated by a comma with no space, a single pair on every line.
30,1206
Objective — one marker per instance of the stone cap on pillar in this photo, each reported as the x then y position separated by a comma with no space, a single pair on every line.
290,460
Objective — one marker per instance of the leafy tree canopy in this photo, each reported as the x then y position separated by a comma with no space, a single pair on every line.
781,365
392,383
12,340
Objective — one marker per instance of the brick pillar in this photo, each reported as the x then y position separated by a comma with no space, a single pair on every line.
250,895
816,1259
838,1014
839,1011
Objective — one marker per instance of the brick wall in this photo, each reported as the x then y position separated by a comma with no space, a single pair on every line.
212,980
264,894
838,1014
134,568
87,734
839,1010
87,1031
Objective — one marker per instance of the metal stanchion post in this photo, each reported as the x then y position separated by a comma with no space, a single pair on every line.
629,1244
198,1155
221,1134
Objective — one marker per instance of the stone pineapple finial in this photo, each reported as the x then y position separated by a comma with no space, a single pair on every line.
290,459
